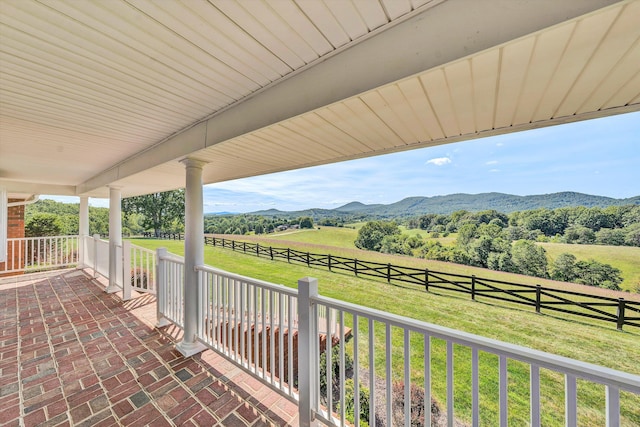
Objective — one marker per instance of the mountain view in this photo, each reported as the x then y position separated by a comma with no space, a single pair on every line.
448,204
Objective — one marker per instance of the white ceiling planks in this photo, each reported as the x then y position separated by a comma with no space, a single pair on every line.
112,85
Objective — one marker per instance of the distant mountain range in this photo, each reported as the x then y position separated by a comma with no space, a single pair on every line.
412,206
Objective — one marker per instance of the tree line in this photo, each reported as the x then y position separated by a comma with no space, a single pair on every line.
614,225
241,224
487,242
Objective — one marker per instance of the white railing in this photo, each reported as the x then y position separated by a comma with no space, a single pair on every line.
170,288
31,254
270,331
96,255
140,276
253,323
398,357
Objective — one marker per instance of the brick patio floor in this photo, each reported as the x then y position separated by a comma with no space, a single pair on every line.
70,354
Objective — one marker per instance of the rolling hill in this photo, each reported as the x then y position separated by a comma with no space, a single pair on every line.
412,206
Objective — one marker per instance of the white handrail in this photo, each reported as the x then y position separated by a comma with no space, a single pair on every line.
139,269
40,253
252,322
613,380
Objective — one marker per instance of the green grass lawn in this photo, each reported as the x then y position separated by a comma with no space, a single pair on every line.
598,344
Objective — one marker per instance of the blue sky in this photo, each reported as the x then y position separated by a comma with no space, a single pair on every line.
600,157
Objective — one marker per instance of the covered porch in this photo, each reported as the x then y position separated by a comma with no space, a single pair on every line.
146,96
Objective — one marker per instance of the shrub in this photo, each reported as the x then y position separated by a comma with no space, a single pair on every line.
349,403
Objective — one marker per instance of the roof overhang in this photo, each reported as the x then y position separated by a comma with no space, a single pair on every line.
435,73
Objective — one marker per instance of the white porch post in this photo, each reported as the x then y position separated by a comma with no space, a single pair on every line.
308,351
83,231
193,254
115,237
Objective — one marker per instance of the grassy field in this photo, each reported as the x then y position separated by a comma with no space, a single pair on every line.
338,241
624,258
598,344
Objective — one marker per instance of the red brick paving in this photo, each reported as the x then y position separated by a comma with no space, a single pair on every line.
72,355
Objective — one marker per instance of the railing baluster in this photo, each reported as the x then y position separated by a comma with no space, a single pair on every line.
280,340
272,338
504,394
388,372
241,324
450,414
290,341
427,380
613,406
475,388
535,395
356,373
342,373
407,379
571,400
329,365
263,305
372,376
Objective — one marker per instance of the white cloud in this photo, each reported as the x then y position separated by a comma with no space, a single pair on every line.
439,161
492,162
494,170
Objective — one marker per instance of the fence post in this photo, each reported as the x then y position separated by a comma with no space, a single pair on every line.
389,273
473,287
355,266
244,247
271,252
161,288
126,271
96,238
233,245
426,279
308,354
621,304
308,259
538,289
288,255
329,262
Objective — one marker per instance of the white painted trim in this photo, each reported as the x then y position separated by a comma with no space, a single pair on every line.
4,225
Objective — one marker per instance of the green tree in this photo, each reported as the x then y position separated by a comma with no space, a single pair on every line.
306,222
371,234
594,273
579,234
529,258
466,233
564,268
610,236
159,209
632,235
43,224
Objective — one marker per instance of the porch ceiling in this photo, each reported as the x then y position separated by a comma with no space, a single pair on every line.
95,93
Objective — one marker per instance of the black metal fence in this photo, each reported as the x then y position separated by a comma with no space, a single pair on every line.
614,310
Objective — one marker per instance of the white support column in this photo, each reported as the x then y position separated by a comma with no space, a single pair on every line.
193,254
115,237
83,231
